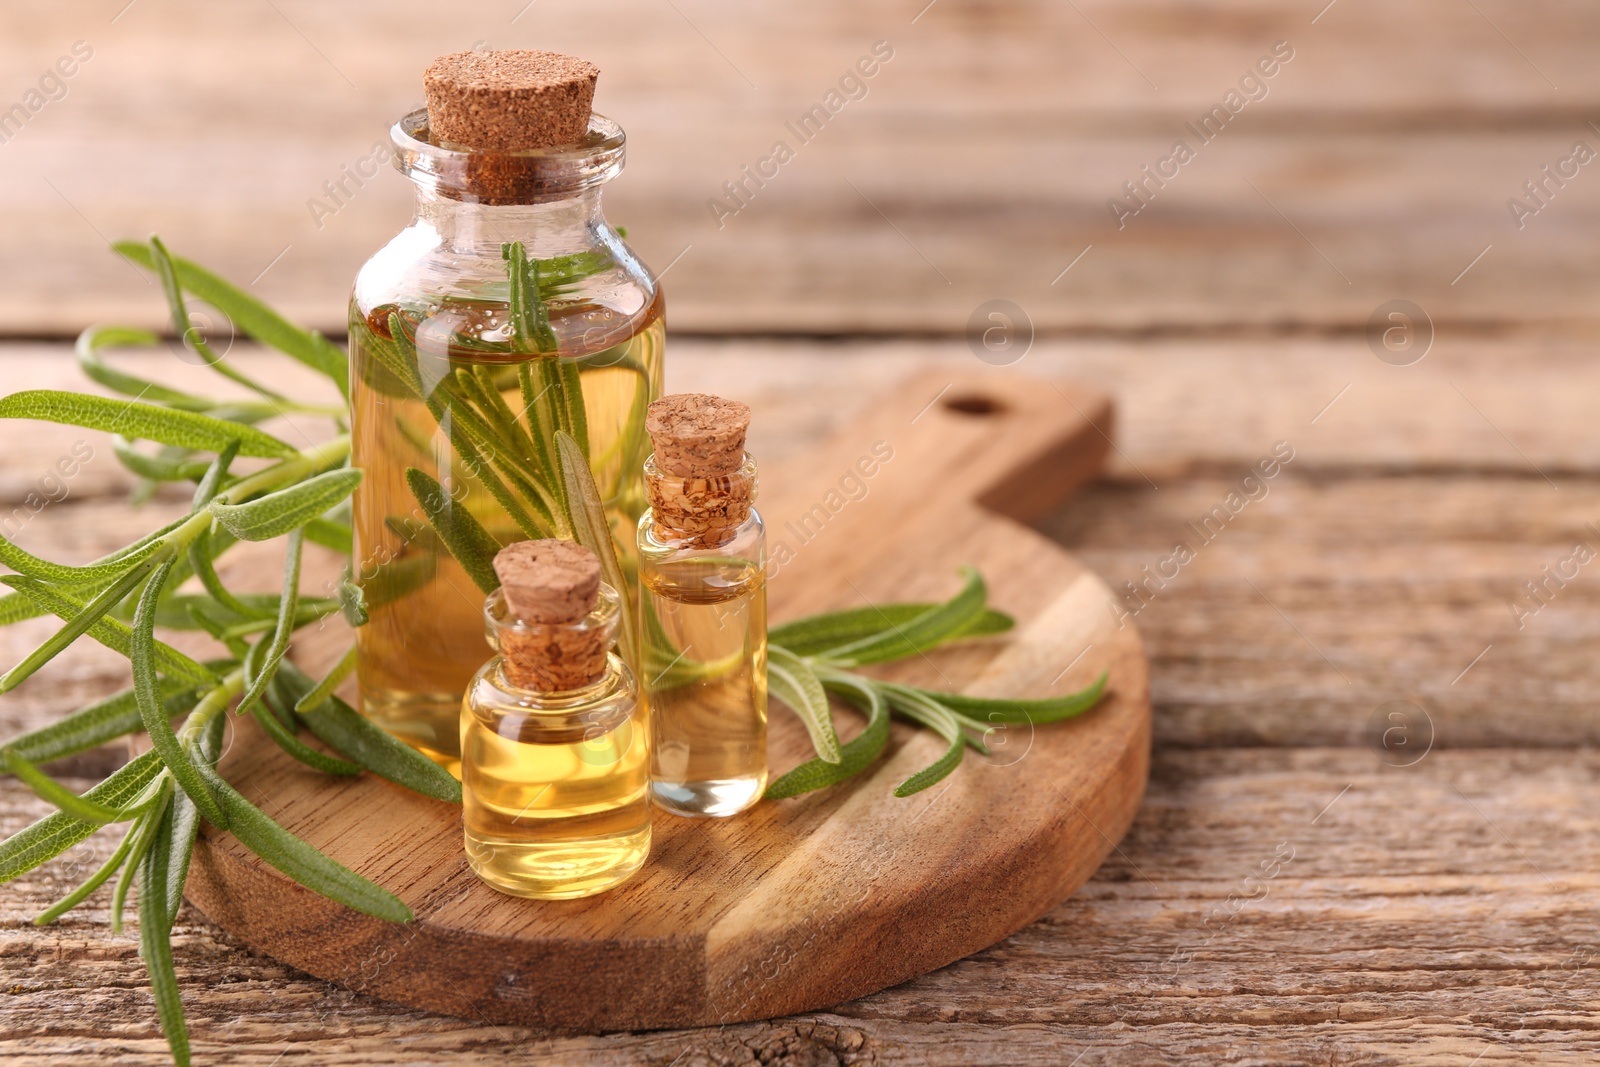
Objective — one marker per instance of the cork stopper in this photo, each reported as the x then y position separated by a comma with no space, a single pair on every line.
697,435
509,100
550,588
699,483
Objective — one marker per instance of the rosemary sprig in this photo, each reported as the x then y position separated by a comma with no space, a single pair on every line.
536,464
823,649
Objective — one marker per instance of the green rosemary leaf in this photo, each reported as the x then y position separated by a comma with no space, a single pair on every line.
113,634
93,882
397,355
300,861
47,788
155,929
536,409
986,710
591,530
791,680
161,266
212,481
856,756
353,597
165,466
185,821
941,720
175,611
530,317
52,835
91,615
479,471
88,727
14,607
185,429
336,536
275,514
156,724
144,831
274,728
324,689
183,324
478,385
576,420
200,564
937,624
815,635
88,347
87,575
472,546
251,315
202,620
263,661
466,425
353,736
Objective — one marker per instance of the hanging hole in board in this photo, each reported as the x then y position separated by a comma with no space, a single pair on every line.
973,404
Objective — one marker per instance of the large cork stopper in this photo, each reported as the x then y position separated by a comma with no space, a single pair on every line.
699,494
549,587
697,435
510,100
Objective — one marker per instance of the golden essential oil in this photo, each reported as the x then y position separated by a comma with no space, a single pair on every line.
555,799
555,776
706,621
421,642
703,609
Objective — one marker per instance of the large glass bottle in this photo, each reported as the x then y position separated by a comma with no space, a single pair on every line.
507,310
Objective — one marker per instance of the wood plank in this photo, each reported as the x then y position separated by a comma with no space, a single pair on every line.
1380,169
1431,915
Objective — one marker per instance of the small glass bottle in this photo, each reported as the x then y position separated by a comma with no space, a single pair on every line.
477,412
703,609
554,757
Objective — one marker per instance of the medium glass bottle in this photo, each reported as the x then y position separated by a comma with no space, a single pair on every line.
554,755
703,609
464,363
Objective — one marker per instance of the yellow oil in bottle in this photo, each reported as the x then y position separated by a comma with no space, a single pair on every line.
705,626
423,638
555,790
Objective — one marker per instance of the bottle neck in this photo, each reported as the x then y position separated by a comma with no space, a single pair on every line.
553,657
553,228
699,512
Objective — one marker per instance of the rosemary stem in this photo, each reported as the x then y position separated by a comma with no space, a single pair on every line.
211,705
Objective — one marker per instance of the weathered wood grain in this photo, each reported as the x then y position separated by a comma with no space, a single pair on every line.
978,165
1407,928
1430,915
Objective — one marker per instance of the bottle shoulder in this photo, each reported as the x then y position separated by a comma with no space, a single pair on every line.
424,268
747,541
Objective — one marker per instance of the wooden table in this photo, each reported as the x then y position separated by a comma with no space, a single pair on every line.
1293,891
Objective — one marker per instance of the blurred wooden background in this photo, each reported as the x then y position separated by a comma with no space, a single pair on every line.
1441,912
977,166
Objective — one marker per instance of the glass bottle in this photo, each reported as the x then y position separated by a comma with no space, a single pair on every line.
554,782
703,613
459,380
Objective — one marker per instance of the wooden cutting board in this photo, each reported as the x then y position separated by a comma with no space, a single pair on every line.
797,904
